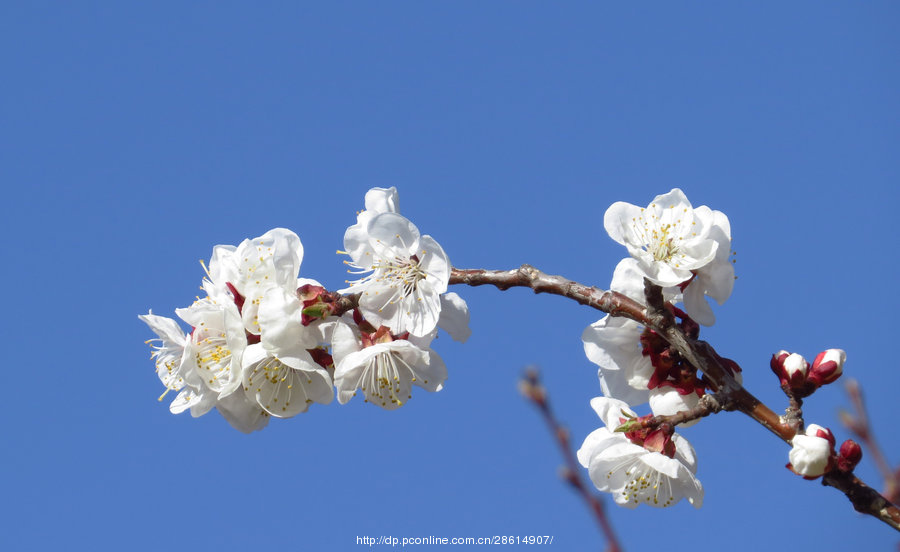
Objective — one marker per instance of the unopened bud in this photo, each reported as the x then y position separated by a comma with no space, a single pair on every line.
795,367
816,430
849,456
811,454
791,368
827,367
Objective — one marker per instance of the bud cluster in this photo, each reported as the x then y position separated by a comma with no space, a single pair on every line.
800,378
812,454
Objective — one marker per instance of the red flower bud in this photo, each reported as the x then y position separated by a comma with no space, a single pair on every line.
849,456
822,432
828,366
790,368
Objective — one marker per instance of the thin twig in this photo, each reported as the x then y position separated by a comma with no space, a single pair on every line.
860,426
533,390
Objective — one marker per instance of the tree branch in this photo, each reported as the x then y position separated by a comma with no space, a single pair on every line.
731,394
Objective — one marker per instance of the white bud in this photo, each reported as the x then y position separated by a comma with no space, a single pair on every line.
811,454
795,364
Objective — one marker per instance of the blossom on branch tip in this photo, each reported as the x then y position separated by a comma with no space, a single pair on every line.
643,467
668,238
675,244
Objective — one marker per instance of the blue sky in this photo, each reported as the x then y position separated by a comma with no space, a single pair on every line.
134,138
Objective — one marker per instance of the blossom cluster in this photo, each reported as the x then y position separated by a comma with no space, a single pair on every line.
685,251
266,343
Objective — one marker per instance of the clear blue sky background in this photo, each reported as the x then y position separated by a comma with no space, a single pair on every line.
134,138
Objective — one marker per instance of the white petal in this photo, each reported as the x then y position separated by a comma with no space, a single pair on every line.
431,376
243,414
595,441
454,317
618,221
434,262
684,452
356,240
613,343
344,341
666,401
383,200
610,410
280,323
167,329
696,306
391,231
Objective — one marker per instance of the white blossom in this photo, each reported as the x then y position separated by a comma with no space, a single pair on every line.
668,238
632,473
409,272
247,272
383,366
284,386
217,344
176,367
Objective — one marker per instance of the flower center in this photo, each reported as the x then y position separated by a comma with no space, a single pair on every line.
282,378
402,274
385,379
646,484
661,236
214,356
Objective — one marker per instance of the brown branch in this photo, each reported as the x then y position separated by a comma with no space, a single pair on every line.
708,404
533,390
793,414
527,276
698,353
865,499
